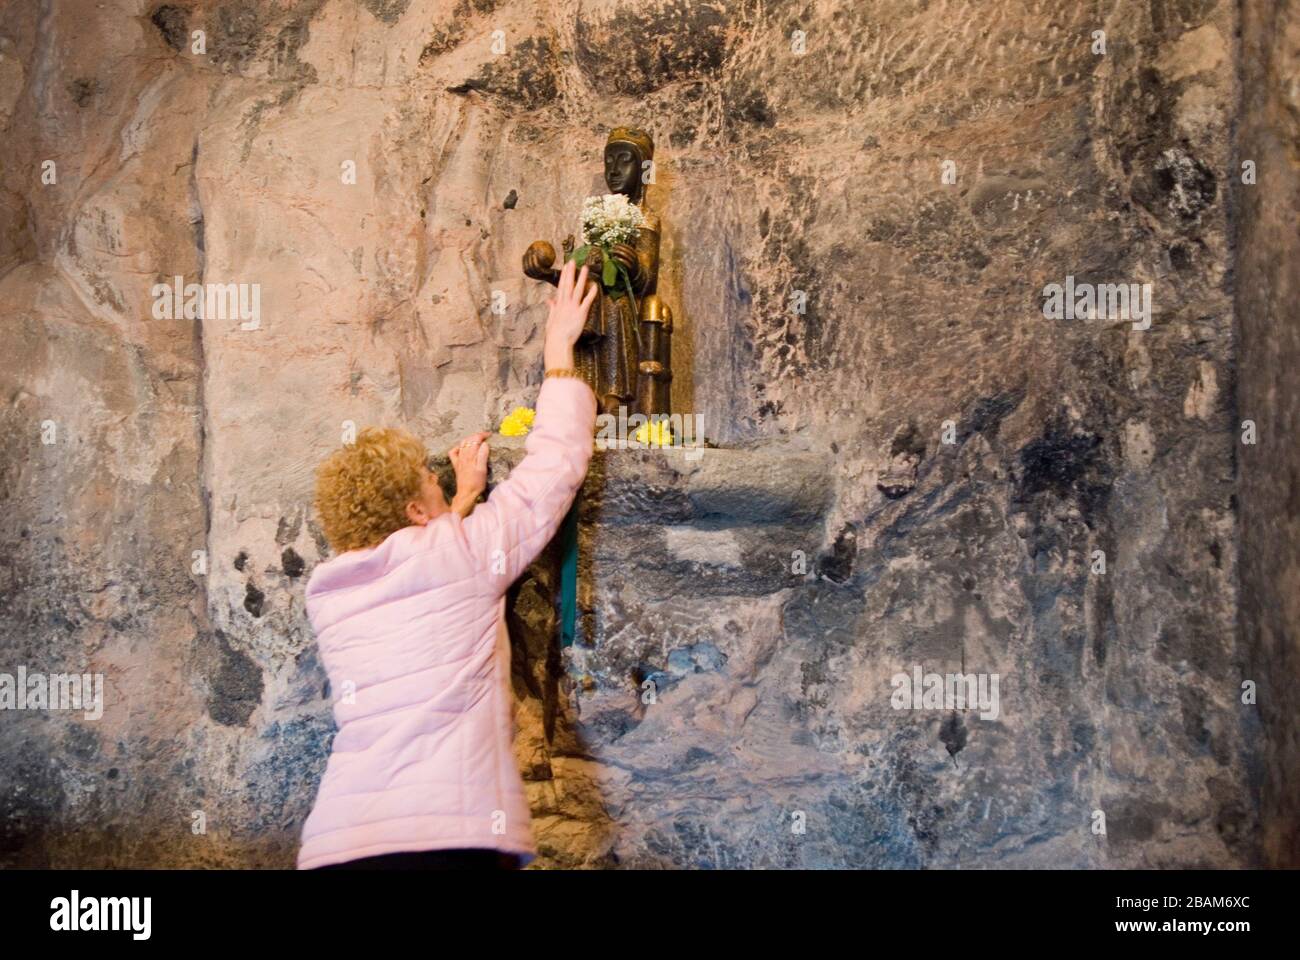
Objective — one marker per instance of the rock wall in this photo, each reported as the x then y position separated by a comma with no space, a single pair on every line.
1268,395
913,466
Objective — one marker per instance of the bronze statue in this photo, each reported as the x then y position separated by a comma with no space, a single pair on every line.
624,352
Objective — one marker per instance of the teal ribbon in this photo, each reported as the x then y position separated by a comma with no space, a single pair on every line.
569,576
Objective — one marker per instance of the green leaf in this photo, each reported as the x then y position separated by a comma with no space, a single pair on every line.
610,274
580,255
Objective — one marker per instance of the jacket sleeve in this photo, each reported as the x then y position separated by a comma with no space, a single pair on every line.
506,533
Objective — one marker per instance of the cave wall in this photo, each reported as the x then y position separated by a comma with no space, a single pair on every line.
780,176
1268,395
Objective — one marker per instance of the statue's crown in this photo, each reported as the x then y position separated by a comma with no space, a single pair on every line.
638,138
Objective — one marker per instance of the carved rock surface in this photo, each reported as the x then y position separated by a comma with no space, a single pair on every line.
914,467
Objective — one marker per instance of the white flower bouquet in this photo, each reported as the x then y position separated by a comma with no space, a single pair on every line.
606,221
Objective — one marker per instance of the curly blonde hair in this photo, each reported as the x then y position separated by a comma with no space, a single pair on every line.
362,489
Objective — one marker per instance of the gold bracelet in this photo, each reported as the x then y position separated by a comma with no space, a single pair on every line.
563,372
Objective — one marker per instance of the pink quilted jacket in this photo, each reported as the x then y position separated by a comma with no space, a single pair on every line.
412,634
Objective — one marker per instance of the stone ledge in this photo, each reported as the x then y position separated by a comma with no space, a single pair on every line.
707,487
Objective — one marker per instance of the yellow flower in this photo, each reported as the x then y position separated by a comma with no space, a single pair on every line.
518,422
657,433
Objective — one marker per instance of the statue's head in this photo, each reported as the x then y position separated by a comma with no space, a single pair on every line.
626,151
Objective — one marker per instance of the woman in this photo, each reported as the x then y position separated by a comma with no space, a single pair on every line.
410,620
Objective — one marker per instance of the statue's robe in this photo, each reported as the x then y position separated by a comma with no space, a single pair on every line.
606,353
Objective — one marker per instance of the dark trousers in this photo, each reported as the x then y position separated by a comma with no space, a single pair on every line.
462,859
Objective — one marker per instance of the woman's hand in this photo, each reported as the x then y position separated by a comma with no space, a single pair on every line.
574,295
469,459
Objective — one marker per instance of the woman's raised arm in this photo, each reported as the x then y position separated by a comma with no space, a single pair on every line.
506,533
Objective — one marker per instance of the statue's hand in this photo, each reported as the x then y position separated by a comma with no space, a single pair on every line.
539,259
626,255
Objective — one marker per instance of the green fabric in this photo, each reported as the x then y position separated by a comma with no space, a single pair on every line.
569,576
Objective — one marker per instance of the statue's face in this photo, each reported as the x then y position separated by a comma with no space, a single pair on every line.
622,168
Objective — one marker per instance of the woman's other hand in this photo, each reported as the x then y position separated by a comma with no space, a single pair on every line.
469,459
574,295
